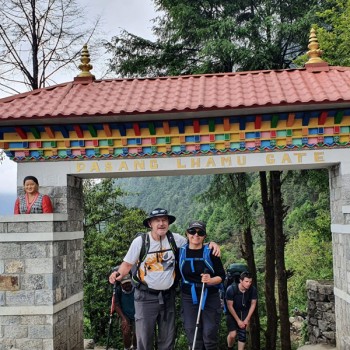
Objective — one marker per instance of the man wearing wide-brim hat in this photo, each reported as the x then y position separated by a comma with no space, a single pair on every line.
155,292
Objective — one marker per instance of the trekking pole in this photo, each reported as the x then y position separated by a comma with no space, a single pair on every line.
111,312
199,312
155,338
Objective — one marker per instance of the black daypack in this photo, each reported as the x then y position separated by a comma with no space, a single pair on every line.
143,253
233,273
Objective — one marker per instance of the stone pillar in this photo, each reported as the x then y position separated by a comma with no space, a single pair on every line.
41,275
320,312
340,217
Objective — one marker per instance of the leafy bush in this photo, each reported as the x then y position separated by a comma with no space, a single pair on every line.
309,258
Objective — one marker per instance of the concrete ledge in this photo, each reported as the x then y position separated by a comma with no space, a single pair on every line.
342,295
41,236
338,228
40,310
34,217
345,209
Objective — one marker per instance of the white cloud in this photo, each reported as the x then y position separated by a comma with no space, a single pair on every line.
133,15
8,176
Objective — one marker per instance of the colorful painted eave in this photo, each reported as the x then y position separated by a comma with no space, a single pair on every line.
184,137
233,113
231,93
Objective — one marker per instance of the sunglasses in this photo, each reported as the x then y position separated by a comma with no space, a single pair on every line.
193,231
159,211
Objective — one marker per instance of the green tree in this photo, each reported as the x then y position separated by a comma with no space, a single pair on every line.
279,212
270,258
309,256
109,228
178,197
216,36
333,29
309,248
307,195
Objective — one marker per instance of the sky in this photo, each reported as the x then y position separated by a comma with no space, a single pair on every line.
134,16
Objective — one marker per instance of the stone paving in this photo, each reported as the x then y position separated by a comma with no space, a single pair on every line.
304,347
316,347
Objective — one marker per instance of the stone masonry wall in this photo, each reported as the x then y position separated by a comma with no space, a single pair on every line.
339,180
321,312
36,278
68,328
41,275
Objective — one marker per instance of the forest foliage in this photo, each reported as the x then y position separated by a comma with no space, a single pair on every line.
114,210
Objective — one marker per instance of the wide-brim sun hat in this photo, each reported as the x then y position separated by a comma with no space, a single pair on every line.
156,213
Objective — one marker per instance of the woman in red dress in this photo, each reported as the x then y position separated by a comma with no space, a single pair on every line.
32,202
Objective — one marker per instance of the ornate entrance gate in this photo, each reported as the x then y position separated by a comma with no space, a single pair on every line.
234,122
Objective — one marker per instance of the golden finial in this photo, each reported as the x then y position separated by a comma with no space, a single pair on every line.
85,65
314,52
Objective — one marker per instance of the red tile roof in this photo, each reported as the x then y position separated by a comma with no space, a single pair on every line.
231,91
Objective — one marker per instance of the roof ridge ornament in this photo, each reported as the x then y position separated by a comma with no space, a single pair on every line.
315,62
85,66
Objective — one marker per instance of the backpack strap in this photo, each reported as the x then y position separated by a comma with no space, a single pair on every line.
182,260
144,251
175,249
172,242
208,263
145,246
234,287
118,295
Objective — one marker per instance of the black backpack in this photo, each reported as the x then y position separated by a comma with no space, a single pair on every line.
233,273
143,253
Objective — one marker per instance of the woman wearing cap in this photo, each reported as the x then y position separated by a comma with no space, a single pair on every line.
197,266
32,202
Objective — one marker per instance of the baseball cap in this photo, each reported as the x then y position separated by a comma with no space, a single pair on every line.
197,224
126,279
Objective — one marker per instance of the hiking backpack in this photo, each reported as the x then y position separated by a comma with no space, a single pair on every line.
233,274
144,251
209,265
